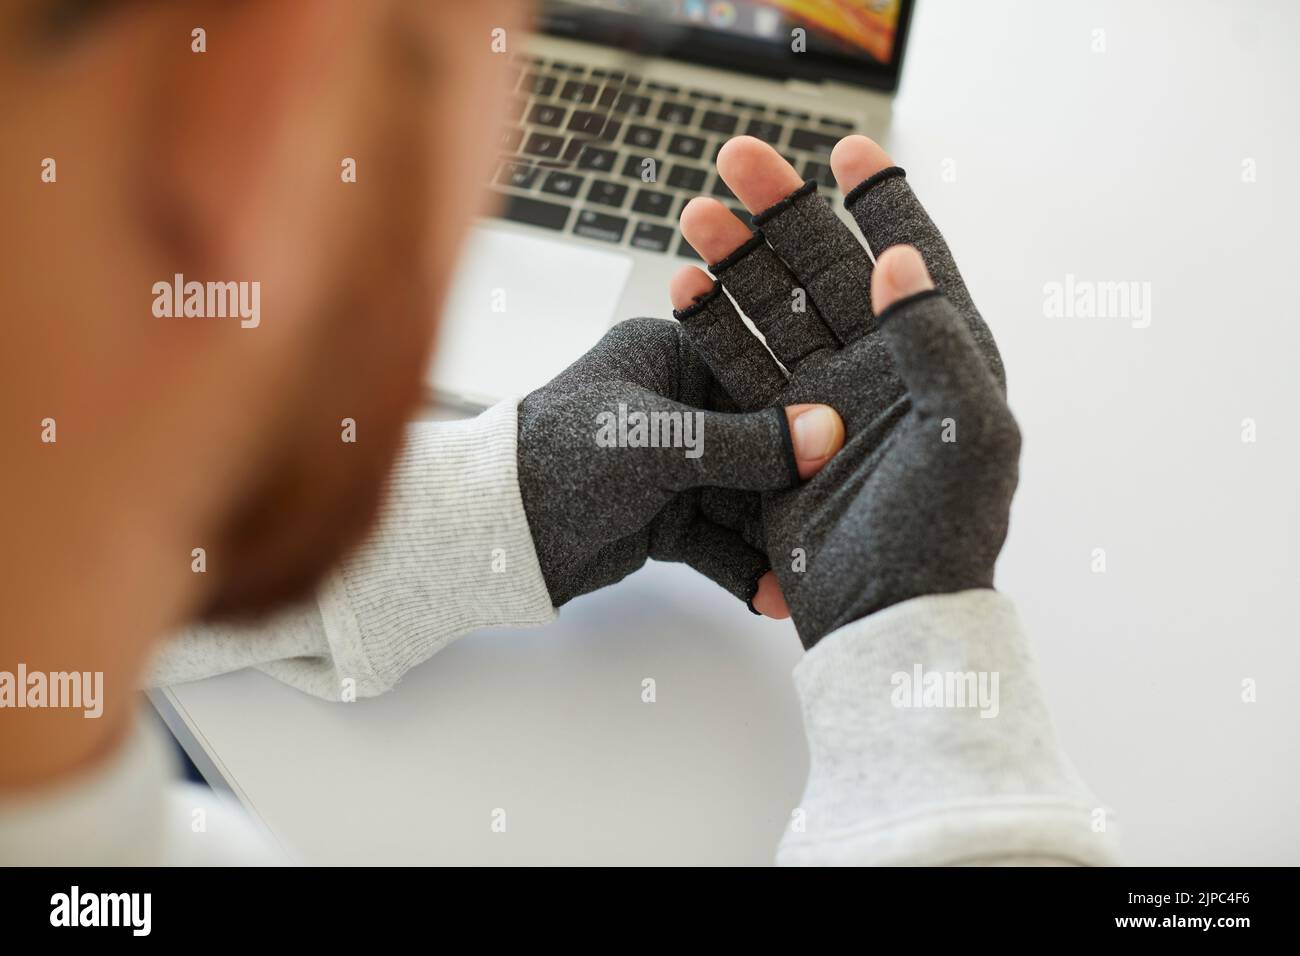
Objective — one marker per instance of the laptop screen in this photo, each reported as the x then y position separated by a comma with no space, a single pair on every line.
851,41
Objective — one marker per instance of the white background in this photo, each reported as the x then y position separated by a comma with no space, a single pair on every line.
1124,165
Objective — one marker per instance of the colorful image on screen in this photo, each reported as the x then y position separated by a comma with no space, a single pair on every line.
857,28
868,26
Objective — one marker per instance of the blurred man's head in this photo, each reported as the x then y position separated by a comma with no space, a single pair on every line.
231,165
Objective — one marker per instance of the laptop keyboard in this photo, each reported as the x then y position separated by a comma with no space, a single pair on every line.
581,139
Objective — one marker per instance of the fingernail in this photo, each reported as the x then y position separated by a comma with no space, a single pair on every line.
814,433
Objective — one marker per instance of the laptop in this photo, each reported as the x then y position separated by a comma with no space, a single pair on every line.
619,109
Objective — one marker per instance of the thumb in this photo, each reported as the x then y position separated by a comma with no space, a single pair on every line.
931,344
816,434
758,451
899,272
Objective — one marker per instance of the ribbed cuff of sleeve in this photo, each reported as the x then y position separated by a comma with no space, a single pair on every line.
930,744
452,552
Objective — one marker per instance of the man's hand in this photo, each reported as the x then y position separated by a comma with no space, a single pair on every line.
917,502
635,451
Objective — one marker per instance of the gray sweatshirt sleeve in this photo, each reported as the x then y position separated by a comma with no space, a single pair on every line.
451,552
930,744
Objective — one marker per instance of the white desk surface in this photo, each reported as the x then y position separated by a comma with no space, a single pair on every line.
1124,165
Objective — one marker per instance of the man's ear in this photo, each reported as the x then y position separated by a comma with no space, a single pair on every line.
234,152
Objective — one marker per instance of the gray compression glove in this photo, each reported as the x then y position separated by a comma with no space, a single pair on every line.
598,506
901,511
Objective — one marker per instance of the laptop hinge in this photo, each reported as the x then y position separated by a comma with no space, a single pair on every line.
805,88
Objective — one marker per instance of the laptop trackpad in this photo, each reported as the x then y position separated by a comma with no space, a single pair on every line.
521,309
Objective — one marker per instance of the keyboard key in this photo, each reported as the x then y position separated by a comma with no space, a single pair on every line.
707,97
540,85
662,87
642,137
543,144
607,97
653,237
585,123
596,159
568,67
595,225
573,149
606,193
562,184
686,177
716,122
767,131
534,212
721,190
677,113
692,147
793,114
637,167
652,203
519,175
835,123
632,104
821,143
544,115
686,252
576,92
749,105
511,137
820,172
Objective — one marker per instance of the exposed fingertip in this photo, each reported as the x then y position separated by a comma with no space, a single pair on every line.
768,599
856,158
756,173
739,151
712,229
900,271
687,283
698,206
